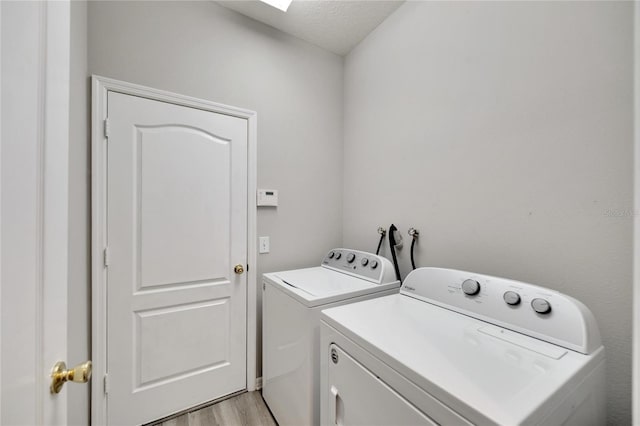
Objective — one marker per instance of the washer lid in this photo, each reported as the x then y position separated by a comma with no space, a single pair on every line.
318,286
486,373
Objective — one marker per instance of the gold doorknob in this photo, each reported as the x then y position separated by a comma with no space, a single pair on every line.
238,269
60,375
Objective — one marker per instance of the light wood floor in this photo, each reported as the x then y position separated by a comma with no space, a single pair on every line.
246,409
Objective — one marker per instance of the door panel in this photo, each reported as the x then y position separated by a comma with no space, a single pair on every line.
176,226
200,351
173,250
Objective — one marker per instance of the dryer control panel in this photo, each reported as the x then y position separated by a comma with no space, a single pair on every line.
526,308
360,264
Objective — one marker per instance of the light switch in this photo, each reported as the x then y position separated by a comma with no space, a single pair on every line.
264,245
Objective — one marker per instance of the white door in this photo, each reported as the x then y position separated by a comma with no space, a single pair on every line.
176,228
33,221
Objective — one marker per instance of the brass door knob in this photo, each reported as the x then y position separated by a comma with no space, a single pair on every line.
238,269
60,375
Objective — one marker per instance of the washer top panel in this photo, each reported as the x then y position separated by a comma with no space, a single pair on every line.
320,286
343,273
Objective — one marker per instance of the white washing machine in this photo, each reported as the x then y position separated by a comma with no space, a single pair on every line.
458,348
291,304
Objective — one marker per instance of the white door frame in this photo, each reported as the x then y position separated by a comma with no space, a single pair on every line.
100,87
34,188
636,220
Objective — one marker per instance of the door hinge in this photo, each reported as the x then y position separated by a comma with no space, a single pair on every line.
106,384
106,128
107,256
264,286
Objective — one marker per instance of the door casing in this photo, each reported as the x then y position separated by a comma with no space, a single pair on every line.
636,222
100,87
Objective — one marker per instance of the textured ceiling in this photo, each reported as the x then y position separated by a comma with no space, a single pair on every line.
337,26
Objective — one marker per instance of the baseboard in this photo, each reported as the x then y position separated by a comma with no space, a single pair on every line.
258,383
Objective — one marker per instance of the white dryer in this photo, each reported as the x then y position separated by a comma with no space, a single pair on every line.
291,304
458,348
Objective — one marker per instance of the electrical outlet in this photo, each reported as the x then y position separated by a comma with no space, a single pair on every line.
264,245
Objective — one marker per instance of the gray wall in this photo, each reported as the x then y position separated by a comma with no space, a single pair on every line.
504,133
636,227
79,305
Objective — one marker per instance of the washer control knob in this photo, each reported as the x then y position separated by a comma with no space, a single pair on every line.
471,287
374,264
364,261
512,298
331,255
338,255
351,257
541,306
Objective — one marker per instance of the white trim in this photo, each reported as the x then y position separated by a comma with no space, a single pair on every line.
55,203
252,257
100,87
636,220
98,273
1,379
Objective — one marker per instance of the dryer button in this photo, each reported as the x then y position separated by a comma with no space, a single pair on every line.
511,298
471,287
541,306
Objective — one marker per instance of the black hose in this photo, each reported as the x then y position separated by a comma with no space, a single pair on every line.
380,243
392,246
413,243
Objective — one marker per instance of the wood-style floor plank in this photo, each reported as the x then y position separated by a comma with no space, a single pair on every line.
247,409
202,417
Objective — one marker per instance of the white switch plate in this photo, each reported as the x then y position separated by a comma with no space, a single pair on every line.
264,245
267,197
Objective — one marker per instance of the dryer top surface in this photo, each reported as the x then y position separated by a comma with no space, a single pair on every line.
468,364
